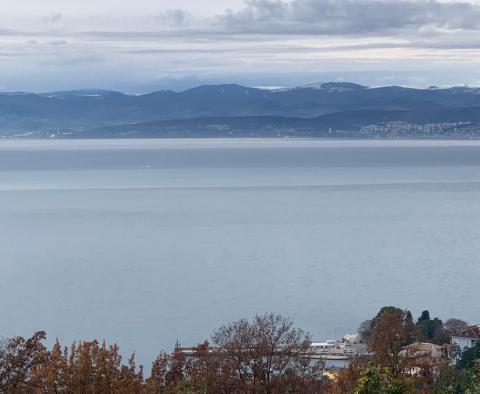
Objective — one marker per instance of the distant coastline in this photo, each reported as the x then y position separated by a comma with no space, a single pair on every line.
329,110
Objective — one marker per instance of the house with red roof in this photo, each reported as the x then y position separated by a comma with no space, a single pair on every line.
466,339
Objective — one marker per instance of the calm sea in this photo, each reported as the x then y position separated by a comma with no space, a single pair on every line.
145,242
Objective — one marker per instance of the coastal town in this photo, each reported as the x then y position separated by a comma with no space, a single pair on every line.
390,353
336,354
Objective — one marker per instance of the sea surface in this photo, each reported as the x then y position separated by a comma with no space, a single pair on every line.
146,242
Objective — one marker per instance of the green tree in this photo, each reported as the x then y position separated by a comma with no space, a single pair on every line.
472,381
469,357
425,316
371,381
375,381
431,330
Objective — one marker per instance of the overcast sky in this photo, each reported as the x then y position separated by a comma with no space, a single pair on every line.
145,45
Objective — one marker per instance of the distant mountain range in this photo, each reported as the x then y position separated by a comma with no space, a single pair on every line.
317,110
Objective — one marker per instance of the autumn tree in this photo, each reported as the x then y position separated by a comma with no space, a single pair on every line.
386,370
392,329
267,355
392,368
18,358
52,375
157,382
169,373
454,326
207,371
88,367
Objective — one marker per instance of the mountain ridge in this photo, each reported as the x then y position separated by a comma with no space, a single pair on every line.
81,111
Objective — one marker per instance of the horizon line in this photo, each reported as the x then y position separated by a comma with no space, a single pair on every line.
272,88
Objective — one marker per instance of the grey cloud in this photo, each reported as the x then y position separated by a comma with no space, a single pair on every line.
177,17
348,16
54,17
173,18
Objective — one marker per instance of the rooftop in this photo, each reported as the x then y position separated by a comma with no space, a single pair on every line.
424,347
472,332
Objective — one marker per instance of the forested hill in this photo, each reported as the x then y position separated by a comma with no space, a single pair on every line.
329,109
